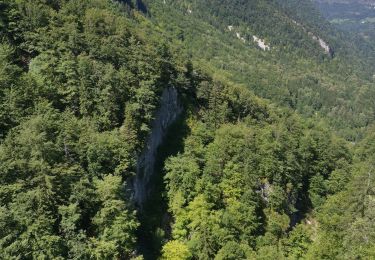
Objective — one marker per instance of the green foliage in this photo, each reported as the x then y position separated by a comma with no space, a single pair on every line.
233,251
114,223
175,250
79,88
244,180
347,219
295,73
80,83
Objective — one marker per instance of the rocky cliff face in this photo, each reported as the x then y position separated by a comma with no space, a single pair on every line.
169,110
324,45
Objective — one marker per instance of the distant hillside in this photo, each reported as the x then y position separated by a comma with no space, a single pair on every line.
175,129
283,50
347,9
368,2
356,19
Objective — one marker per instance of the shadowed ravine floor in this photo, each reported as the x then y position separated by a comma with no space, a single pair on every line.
154,217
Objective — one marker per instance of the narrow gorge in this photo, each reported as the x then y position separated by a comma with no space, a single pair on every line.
148,184
169,110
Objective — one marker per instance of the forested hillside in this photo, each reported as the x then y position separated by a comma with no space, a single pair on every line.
267,154
296,71
79,87
356,19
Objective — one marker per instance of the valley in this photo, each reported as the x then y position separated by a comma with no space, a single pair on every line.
180,130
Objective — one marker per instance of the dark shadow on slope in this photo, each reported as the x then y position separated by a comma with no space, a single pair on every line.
141,6
303,206
155,220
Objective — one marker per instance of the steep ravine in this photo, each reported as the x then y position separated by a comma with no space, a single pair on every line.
165,139
169,110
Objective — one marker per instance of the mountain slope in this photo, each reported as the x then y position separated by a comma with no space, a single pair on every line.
182,130
296,72
356,19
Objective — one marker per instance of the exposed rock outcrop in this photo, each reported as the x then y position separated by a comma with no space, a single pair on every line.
261,43
323,44
169,110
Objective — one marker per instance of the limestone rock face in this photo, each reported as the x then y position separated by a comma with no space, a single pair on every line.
169,110
261,43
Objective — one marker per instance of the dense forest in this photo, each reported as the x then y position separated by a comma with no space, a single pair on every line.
355,18
164,129
296,72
